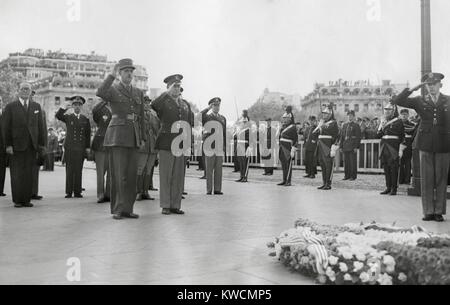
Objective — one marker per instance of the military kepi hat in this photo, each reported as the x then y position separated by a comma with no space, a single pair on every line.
432,78
389,106
126,63
215,100
351,112
77,99
327,109
170,80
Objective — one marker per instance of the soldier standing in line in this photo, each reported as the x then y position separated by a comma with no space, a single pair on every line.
102,116
124,136
243,149
328,132
267,159
392,134
3,155
350,141
76,146
288,144
406,161
433,142
52,148
311,140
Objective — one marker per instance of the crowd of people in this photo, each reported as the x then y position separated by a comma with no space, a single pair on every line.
134,134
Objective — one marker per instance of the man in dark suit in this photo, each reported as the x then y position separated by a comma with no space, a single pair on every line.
76,146
124,136
3,155
24,136
101,115
433,142
311,140
214,157
350,141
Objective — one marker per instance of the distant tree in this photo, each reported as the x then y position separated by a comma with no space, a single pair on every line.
9,83
274,110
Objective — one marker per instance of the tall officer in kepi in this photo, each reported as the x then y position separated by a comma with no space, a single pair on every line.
173,112
328,132
433,142
288,145
214,159
392,134
406,160
102,116
350,142
77,144
124,136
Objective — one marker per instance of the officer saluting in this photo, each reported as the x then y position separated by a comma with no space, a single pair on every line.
76,145
288,144
328,131
124,136
433,142
171,109
392,133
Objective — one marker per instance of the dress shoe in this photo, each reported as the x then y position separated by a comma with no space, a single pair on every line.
327,188
107,199
130,215
393,192
288,184
307,176
83,189
101,200
345,179
209,193
438,218
428,218
182,197
27,205
117,216
240,180
185,193
312,177
2,195
18,205
78,196
203,178
281,184
352,179
177,211
270,174
166,212
322,187
244,180
218,193
68,196
153,189
36,197
139,197
146,196
387,191
265,174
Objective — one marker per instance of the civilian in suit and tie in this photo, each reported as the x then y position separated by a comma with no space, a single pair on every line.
311,140
350,140
24,136
124,136
101,115
3,156
174,113
76,146
214,155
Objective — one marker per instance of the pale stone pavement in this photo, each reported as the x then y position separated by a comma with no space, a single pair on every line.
221,239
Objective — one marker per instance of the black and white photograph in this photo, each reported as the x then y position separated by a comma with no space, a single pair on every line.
204,144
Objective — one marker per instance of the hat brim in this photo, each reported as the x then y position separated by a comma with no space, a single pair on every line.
127,67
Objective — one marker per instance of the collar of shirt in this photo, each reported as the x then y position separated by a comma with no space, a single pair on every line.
22,101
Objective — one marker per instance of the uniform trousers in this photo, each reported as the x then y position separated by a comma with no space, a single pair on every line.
102,169
243,163
391,169
21,170
146,162
35,188
171,179
310,163
214,173
74,171
285,160
49,162
350,164
123,167
434,168
405,170
326,164
3,157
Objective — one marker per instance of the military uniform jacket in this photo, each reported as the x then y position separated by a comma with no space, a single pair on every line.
410,131
102,117
78,135
243,137
266,152
350,138
52,144
289,137
152,126
126,128
392,135
328,135
218,118
311,139
434,130
169,112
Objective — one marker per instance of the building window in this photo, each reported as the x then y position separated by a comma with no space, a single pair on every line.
356,107
347,108
366,107
57,100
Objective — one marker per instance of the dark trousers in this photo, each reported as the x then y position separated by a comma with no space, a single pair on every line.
123,167
74,170
310,163
35,188
326,163
391,168
21,169
405,170
243,161
350,165
285,165
102,169
2,172
236,163
268,170
49,162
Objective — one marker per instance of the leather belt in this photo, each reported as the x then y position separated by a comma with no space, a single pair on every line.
287,140
408,136
390,138
242,141
325,137
130,117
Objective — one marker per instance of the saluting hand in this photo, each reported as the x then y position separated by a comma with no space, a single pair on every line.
418,87
115,71
10,150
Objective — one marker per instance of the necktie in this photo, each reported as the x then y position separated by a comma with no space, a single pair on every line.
25,105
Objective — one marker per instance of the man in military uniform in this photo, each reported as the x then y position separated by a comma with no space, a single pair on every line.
3,155
124,136
243,149
102,116
350,140
328,134
77,144
52,148
311,140
406,161
288,146
173,112
214,160
267,158
392,134
433,142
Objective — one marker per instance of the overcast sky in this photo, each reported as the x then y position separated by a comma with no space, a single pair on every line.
236,48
